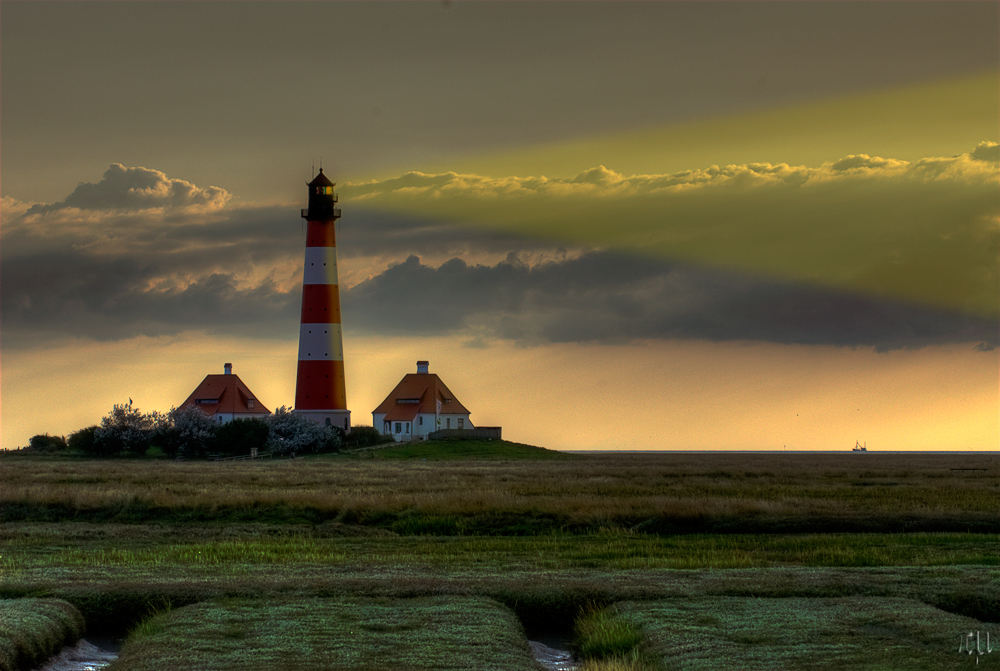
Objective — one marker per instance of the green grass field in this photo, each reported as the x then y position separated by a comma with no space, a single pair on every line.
367,634
544,537
795,633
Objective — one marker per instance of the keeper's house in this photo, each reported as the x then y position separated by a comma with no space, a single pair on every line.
419,405
225,398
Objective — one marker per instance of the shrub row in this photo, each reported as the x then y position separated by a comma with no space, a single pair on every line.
191,434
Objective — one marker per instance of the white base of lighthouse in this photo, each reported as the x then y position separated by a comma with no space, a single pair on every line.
338,418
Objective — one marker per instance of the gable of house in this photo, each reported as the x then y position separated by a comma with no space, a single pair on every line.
419,405
225,394
417,394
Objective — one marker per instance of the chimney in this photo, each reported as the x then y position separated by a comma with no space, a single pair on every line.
229,368
422,367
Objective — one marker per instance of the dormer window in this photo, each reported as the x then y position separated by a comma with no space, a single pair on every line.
250,404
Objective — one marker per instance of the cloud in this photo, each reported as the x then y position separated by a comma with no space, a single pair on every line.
601,181
608,297
115,273
133,189
987,151
920,231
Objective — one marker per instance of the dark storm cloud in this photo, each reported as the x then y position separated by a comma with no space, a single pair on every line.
59,295
110,273
107,272
606,297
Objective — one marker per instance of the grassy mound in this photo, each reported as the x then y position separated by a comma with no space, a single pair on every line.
32,630
375,633
800,633
468,449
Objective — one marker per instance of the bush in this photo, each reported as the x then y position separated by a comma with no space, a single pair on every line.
364,436
126,430
84,440
188,433
294,434
241,435
46,443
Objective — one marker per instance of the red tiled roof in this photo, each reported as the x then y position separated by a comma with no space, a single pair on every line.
224,394
424,388
402,412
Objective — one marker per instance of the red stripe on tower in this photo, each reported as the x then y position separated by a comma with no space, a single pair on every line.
320,389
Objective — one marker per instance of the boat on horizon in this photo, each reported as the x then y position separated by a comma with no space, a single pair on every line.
858,447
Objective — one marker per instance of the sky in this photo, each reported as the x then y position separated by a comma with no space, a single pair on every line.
653,225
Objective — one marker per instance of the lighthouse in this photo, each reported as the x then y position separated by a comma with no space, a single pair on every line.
320,389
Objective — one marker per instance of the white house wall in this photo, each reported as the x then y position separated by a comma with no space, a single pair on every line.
418,431
444,423
226,417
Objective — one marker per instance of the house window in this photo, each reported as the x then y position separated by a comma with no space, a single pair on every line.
220,417
461,423
399,427
328,421
385,428
420,420
407,427
449,422
250,404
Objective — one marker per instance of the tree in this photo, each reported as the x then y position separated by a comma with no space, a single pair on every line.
294,434
126,429
188,433
240,436
46,443
84,440
364,436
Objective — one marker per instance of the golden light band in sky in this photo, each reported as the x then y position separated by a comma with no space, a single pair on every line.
908,220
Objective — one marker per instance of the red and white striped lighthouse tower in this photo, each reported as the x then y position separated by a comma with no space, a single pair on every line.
320,391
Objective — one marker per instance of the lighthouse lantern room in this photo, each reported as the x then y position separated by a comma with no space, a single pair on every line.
320,389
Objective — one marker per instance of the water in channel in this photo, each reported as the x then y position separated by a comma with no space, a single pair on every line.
551,658
84,656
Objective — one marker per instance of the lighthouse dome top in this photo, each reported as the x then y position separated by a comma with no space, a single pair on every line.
321,180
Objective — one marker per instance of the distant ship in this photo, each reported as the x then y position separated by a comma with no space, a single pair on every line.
858,447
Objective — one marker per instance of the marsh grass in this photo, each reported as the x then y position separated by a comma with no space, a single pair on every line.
227,548
603,633
796,633
662,494
361,634
618,664
32,630
124,540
